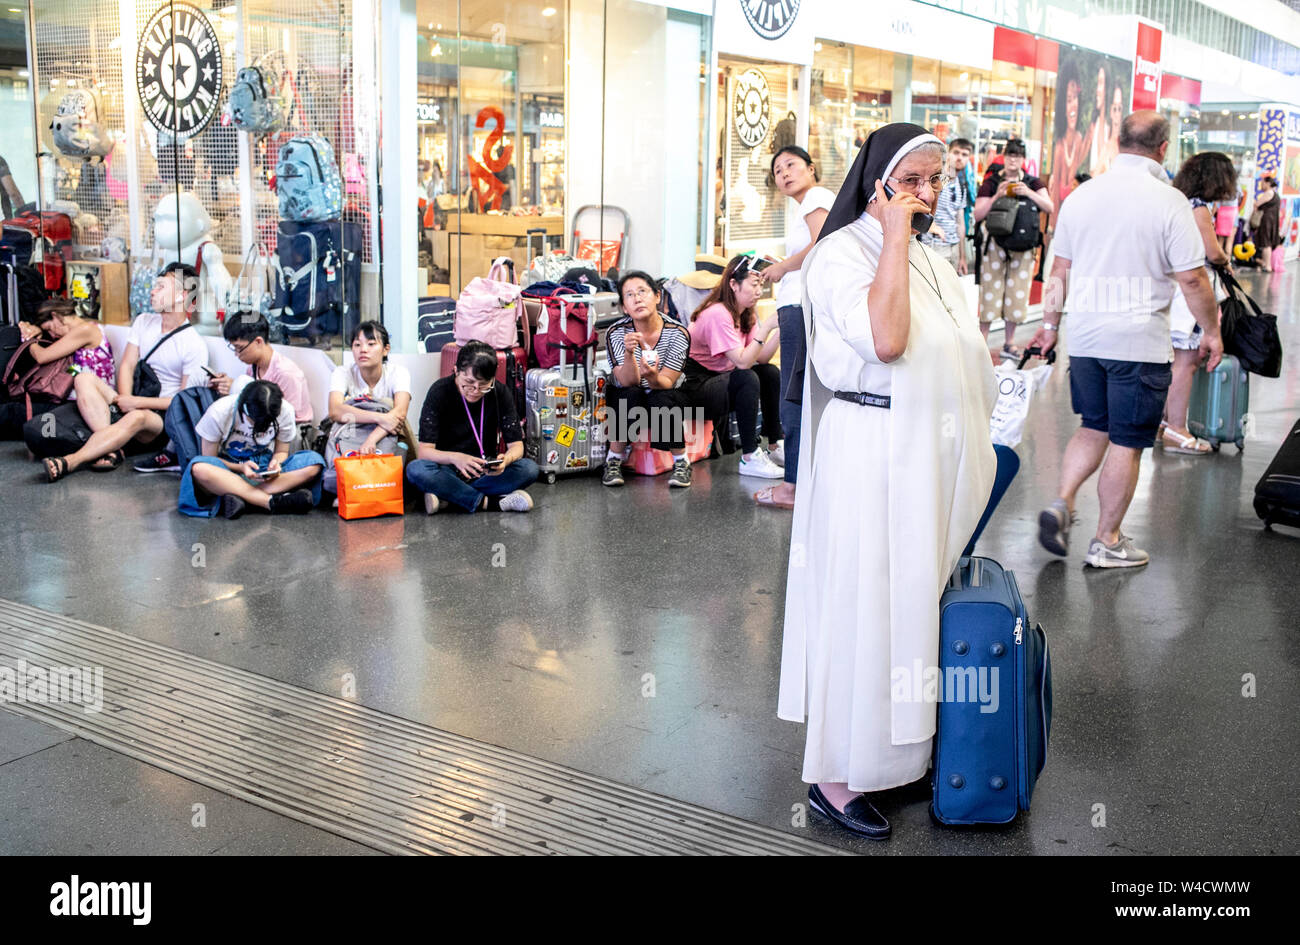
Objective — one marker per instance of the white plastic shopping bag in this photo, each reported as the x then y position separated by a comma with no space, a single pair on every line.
1016,389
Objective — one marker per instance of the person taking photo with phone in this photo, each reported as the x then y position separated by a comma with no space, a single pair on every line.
1007,271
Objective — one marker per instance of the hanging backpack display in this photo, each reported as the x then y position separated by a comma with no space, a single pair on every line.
76,127
307,181
256,102
316,274
252,289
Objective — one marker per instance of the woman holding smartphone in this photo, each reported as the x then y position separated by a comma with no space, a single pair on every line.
895,469
246,459
467,417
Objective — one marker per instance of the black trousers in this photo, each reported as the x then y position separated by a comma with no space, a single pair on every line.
718,393
661,413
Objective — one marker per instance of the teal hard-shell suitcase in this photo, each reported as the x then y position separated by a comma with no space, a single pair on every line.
1219,404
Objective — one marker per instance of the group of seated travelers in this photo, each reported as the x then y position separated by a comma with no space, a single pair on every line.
246,442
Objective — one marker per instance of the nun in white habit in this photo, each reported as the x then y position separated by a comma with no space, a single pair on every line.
898,393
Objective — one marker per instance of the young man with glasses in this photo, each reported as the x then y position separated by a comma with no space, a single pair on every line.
466,419
947,235
245,334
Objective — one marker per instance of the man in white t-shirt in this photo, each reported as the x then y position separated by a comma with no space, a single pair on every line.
163,339
1125,243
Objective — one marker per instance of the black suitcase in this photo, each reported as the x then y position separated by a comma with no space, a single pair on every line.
1277,495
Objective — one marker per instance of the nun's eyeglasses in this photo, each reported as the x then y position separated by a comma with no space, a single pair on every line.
913,183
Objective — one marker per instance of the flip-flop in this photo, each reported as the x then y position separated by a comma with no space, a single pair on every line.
766,497
113,460
56,467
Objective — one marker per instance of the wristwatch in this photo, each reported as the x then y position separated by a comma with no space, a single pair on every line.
1047,327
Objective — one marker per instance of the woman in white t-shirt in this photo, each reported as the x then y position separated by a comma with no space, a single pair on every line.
368,400
796,176
246,439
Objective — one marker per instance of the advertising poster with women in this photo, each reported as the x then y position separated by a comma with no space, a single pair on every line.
1092,96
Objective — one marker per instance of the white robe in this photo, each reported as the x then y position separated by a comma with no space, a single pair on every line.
887,500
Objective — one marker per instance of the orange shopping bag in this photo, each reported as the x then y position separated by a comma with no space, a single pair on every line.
369,486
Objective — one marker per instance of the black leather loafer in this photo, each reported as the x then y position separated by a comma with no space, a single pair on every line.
859,815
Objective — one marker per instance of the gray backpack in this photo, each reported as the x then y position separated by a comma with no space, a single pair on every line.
77,128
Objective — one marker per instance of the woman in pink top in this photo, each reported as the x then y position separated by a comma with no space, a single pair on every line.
729,365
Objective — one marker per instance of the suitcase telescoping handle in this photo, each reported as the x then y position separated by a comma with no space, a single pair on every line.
1033,351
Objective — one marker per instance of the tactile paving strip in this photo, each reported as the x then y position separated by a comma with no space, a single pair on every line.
386,782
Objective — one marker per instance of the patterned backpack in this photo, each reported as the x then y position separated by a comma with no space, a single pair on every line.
77,128
256,104
308,182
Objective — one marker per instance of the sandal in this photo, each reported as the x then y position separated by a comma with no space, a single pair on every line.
1160,433
768,498
109,461
1186,444
1012,353
56,467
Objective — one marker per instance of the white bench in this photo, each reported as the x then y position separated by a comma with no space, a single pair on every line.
315,364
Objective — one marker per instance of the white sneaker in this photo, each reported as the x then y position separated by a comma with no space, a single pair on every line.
431,504
760,466
777,454
517,501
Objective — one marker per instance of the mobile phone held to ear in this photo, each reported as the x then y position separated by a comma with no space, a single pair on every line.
921,222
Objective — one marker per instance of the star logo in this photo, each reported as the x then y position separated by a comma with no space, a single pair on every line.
180,87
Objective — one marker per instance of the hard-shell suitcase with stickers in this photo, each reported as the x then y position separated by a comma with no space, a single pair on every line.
564,413
994,698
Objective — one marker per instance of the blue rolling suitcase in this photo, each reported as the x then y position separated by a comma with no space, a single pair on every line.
996,706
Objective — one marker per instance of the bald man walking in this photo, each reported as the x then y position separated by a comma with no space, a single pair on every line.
1125,242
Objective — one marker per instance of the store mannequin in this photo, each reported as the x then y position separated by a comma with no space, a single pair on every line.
183,230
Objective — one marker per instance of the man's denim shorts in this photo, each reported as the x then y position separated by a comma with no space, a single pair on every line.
1124,399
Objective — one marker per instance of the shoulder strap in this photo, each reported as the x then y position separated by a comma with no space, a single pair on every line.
162,340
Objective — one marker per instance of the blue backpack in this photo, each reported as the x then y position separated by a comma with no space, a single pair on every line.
255,107
308,181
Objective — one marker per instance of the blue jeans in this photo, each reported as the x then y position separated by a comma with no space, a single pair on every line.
197,502
794,353
445,482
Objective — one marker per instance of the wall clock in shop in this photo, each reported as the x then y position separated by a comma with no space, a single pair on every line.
770,18
752,108
178,70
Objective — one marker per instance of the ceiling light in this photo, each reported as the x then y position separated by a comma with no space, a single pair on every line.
817,47
15,10
549,11
964,76
1254,114
1225,112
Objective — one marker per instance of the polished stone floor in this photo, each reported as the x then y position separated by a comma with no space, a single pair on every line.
636,633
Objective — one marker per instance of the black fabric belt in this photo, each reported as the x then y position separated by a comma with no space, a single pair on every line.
863,399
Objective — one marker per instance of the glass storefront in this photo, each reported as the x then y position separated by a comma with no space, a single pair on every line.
611,130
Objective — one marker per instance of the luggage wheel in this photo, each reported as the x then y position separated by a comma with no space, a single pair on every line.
1240,443
550,479
1214,445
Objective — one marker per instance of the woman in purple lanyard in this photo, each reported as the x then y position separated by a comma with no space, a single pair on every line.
467,418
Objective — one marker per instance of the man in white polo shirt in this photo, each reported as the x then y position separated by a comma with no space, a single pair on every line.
1125,243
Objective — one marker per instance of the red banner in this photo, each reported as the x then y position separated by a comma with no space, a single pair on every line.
1146,67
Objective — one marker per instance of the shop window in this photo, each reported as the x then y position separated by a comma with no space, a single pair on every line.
168,174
